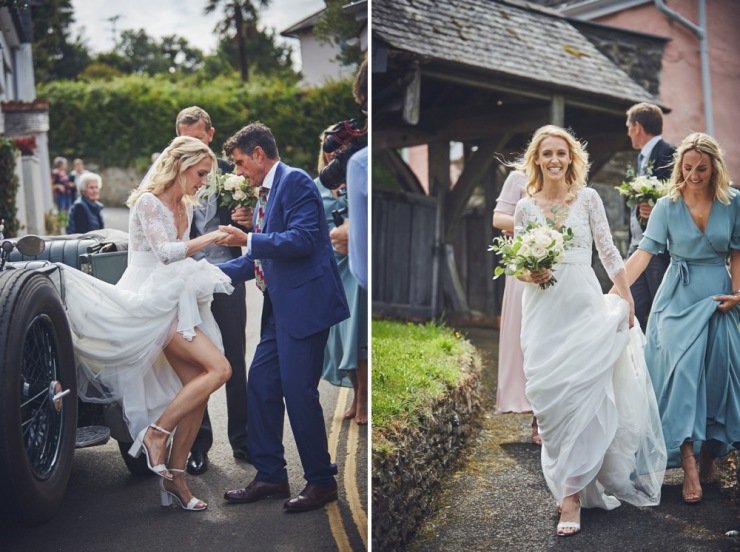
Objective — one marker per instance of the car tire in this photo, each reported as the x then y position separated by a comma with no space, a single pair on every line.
37,434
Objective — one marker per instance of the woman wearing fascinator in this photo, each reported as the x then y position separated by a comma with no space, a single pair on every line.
150,342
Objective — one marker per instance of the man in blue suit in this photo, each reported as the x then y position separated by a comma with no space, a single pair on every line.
290,256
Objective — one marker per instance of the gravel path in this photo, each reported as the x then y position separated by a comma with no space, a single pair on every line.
499,500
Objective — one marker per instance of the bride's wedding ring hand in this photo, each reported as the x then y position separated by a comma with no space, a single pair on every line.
231,236
539,277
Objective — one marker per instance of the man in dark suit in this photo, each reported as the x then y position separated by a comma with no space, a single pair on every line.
290,257
230,311
645,129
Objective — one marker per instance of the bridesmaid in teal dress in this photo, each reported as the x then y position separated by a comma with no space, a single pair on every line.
693,334
345,356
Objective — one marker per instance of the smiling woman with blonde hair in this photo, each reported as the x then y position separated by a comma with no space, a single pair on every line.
693,335
584,368
150,342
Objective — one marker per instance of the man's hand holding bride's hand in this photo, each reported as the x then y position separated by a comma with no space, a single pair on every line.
539,277
243,216
231,236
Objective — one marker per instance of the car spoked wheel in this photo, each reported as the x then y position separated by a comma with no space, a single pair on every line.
38,396
42,404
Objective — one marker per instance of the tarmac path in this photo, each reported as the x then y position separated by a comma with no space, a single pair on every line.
107,509
498,500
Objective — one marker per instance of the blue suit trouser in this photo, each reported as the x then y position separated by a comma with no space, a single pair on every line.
284,375
646,286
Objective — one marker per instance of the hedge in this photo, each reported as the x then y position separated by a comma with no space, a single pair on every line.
122,121
8,187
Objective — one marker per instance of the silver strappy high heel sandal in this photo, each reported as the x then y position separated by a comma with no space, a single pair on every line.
135,451
166,497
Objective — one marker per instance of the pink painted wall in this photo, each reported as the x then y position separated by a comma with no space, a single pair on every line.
680,84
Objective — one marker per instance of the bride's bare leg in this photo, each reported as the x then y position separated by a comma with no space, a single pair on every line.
215,371
202,369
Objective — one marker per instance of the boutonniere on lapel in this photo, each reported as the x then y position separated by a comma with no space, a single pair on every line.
645,188
232,190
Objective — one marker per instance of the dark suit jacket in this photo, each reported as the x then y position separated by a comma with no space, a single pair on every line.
223,213
661,159
301,274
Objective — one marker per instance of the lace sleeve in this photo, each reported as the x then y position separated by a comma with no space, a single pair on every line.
154,221
608,252
520,216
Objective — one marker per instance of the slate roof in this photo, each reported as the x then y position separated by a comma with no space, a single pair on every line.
304,25
512,38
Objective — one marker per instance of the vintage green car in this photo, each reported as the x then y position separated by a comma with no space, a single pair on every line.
41,419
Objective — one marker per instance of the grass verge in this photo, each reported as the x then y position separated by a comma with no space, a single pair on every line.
412,366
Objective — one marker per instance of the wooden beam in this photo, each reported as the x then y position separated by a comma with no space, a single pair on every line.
478,164
452,285
403,174
412,97
439,186
459,124
557,110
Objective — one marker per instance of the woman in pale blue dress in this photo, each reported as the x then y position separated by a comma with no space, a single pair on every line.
345,356
693,335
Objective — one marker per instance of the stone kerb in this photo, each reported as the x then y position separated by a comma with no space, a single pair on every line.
409,464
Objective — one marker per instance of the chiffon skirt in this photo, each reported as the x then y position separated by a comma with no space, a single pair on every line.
119,332
589,388
693,351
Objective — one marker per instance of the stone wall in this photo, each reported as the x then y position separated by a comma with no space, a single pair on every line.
409,463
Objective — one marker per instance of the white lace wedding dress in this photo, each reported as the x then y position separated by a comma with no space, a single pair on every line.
119,331
586,374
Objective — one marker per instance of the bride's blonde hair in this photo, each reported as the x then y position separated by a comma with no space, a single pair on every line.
182,153
720,179
575,175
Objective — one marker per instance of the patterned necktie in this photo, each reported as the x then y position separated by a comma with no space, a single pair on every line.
640,170
259,220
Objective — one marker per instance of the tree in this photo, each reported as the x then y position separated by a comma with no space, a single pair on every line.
265,57
339,27
55,54
242,16
137,52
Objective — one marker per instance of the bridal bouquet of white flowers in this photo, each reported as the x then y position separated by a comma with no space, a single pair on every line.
642,189
538,247
232,190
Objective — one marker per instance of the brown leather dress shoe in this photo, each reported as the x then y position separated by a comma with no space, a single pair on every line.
257,490
311,498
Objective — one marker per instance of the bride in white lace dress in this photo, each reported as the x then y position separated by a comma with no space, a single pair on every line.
150,342
585,368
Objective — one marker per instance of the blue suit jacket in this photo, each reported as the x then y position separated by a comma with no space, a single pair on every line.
297,259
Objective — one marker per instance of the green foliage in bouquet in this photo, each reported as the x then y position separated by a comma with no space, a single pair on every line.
536,248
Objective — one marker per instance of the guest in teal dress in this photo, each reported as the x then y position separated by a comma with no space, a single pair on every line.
693,334
345,356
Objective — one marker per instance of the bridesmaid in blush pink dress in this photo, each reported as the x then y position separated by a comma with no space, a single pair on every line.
510,393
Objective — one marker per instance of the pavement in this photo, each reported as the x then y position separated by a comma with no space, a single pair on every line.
498,499
106,508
